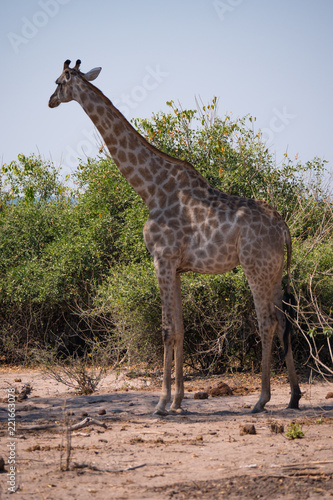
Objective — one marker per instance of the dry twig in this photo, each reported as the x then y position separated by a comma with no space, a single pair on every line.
93,467
84,423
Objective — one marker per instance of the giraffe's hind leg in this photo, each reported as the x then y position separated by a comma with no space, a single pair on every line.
267,324
262,281
268,304
281,329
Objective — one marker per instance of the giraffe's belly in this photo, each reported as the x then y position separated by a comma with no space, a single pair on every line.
210,259
208,251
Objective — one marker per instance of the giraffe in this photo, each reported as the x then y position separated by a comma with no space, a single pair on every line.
192,227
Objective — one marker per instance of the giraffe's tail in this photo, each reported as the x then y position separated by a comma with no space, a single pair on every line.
288,298
289,251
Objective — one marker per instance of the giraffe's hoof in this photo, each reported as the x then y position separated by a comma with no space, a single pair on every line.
293,406
258,409
178,411
294,401
160,412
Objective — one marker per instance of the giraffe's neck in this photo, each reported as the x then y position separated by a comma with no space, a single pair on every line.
154,175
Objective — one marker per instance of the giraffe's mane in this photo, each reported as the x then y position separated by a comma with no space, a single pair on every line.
153,148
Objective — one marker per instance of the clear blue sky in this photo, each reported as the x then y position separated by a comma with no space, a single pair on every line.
269,58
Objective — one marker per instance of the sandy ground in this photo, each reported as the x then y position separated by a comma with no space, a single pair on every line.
200,454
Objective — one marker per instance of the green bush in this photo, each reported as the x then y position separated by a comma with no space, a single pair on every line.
130,298
213,307
220,326
73,259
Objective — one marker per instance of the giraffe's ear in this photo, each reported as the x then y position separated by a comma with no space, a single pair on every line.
92,74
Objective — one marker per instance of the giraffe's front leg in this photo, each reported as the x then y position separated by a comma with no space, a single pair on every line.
178,349
172,324
179,389
165,396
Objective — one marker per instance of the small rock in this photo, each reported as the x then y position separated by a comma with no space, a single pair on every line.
277,428
240,391
221,389
17,380
36,447
200,395
329,395
102,411
2,465
26,389
84,414
247,429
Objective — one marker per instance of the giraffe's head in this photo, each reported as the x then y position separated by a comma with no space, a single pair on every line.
70,82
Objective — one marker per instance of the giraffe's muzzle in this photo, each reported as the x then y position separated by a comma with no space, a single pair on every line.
54,100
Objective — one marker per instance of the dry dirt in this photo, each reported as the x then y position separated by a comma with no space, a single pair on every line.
201,454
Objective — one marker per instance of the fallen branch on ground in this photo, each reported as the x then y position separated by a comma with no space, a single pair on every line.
85,423
303,464
93,467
